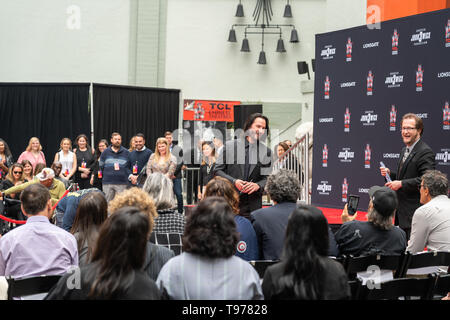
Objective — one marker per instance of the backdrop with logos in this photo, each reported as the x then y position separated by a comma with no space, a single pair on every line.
366,79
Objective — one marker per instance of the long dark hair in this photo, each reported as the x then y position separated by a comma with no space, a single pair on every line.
305,243
210,230
119,253
92,211
248,123
88,147
97,151
7,150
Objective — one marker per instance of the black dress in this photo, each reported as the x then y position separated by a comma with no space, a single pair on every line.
97,179
88,157
206,174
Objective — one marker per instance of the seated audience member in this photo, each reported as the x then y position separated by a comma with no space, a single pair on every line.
156,256
38,169
37,247
247,247
115,272
208,269
91,213
14,178
57,167
27,170
66,209
45,178
431,222
378,235
160,189
305,272
270,223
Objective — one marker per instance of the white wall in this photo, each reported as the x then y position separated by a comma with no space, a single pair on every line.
37,45
201,62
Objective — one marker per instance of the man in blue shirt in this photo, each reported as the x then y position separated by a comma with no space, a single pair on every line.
116,167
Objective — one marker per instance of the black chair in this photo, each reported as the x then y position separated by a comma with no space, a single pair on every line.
353,265
423,260
261,266
442,286
30,286
394,289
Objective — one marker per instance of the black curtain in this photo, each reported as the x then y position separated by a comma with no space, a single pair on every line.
130,110
243,111
49,111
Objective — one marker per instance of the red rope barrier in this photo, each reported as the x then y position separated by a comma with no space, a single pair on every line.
12,220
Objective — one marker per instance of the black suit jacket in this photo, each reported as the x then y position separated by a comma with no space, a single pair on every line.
420,159
231,166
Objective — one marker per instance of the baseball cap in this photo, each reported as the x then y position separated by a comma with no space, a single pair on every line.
46,174
384,200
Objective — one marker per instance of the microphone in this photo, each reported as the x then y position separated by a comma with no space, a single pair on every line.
388,177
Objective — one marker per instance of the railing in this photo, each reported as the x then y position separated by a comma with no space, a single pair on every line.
297,159
190,185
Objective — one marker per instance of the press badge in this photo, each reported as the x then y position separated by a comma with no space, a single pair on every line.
116,166
135,169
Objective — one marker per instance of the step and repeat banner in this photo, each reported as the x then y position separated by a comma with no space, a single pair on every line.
365,81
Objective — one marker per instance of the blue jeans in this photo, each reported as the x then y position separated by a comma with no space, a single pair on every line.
178,193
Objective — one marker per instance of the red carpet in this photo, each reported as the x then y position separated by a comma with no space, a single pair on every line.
333,215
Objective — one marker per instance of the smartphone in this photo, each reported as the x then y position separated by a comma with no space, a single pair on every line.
352,204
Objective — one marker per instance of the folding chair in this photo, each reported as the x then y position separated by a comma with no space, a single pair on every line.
425,260
404,287
30,286
261,266
353,265
442,286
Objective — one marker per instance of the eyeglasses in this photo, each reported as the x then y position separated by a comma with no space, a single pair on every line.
408,129
17,172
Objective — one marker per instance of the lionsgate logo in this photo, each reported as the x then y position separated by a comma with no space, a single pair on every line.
346,155
324,188
369,118
326,120
443,157
391,155
371,45
420,37
422,115
328,52
348,84
394,80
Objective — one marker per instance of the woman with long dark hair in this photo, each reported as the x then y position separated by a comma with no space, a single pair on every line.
96,176
115,272
305,271
92,211
208,269
6,159
85,161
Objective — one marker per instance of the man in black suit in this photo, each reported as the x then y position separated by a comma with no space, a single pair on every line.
246,163
177,151
416,158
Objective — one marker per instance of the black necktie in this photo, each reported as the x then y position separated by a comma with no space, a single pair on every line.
247,164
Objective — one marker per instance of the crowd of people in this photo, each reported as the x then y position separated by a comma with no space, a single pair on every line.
126,231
